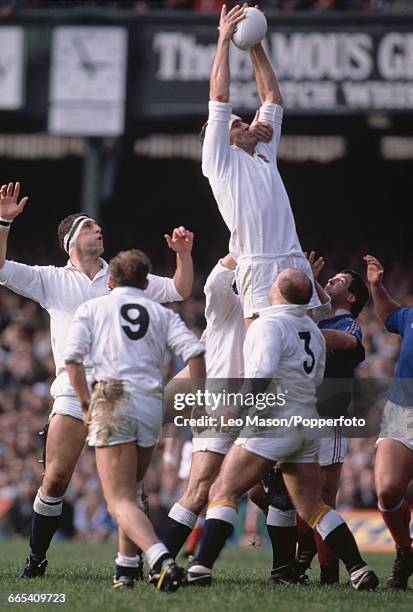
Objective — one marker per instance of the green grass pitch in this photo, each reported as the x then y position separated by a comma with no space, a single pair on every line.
83,572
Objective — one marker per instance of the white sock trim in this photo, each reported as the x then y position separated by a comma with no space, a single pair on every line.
281,518
46,505
155,552
124,561
182,515
328,523
223,513
391,509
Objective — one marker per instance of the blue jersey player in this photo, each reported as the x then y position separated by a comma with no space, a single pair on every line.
394,458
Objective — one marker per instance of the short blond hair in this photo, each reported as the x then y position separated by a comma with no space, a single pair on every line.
130,268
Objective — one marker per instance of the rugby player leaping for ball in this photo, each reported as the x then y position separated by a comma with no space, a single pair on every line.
240,161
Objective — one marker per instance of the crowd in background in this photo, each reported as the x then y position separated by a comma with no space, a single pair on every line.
206,6
26,372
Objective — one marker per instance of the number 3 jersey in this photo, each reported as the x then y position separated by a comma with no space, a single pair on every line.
284,343
125,335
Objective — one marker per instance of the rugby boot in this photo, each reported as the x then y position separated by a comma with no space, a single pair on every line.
402,570
123,583
198,575
363,579
284,575
169,579
35,567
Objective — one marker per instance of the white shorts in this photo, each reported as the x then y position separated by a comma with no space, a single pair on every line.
256,274
186,459
134,418
397,424
65,400
333,450
219,444
296,448
67,405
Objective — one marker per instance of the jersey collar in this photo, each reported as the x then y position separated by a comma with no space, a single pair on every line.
342,311
102,272
294,309
128,291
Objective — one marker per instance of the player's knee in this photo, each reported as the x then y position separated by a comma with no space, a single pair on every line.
196,495
56,483
389,494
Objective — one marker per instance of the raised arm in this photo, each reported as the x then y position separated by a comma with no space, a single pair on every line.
267,83
324,310
181,242
384,305
9,209
220,74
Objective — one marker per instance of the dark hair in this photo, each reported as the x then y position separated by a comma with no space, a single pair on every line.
359,289
202,133
130,268
65,225
296,291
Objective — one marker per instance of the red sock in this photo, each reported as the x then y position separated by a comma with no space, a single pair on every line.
194,537
398,521
326,556
306,544
303,527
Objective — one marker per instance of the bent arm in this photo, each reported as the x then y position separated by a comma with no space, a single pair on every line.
10,208
383,303
196,367
184,274
4,234
339,340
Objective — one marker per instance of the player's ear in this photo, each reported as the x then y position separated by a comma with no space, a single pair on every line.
351,297
111,283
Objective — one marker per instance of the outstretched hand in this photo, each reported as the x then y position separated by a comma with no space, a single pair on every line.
316,264
375,270
181,240
228,21
9,206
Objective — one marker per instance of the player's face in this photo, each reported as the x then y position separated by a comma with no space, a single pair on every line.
90,238
338,285
241,135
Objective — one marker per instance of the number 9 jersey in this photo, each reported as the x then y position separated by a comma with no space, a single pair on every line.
125,335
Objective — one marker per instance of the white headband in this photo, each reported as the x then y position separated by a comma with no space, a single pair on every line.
73,233
232,119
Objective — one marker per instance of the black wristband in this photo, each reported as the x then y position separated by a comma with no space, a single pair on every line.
5,223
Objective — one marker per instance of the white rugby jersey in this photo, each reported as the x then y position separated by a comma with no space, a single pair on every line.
60,290
126,335
284,343
225,331
248,188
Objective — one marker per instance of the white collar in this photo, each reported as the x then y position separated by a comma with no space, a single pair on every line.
294,309
342,311
128,290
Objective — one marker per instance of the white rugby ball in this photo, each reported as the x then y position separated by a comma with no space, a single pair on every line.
251,30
